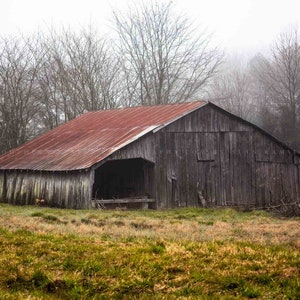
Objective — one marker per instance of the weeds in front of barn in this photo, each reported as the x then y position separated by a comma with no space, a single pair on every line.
189,253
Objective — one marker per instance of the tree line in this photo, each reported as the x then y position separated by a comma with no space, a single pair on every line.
266,90
155,56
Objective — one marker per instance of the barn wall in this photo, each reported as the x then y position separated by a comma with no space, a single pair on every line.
213,159
143,148
208,119
58,189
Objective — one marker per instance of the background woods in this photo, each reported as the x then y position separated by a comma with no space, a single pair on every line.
154,56
266,90
165,59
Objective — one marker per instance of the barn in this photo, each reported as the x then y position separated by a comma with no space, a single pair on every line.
164,156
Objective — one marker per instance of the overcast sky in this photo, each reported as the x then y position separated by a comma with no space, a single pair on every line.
239,26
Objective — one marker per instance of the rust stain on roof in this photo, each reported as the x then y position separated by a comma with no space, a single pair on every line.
91,137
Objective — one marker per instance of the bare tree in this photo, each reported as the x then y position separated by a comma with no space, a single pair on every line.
48,79
80,74
233,89
20,62
280,80
164,59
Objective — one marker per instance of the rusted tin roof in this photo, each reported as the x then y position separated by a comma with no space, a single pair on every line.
91,137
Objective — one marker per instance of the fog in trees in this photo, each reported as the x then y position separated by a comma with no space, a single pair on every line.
154,56
20,62
279,76
164,58
80,73
265,90
51,77
234,90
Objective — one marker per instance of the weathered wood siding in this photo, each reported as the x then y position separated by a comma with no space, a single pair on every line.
141,148
58,189
214,159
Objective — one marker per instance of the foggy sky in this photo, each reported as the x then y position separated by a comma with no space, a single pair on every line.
239,26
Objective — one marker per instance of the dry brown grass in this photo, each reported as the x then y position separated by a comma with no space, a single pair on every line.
186,225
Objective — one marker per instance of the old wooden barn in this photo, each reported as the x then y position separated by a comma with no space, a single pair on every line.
176,155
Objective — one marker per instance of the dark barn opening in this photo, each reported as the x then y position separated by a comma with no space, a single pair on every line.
124,182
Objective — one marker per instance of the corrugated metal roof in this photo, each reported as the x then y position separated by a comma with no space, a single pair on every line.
91,137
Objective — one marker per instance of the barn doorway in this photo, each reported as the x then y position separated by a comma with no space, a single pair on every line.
124,181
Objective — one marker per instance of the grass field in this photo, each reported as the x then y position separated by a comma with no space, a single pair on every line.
173,254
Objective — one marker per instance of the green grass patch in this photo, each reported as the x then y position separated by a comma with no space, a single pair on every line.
180,254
